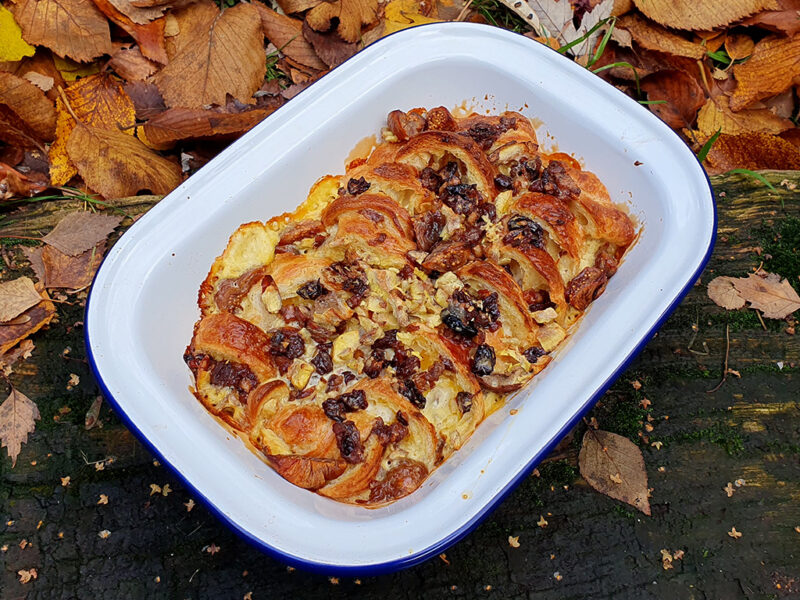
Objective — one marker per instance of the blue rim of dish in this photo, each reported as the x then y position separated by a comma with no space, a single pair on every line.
456,536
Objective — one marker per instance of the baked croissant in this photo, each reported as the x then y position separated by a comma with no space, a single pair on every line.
359,341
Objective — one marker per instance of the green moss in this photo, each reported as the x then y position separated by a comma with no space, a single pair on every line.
555,474
620,510
781,248
621,414
743,319
722,435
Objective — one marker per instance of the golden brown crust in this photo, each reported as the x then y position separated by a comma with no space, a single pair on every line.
360,340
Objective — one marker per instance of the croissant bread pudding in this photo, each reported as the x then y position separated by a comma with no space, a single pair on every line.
359,341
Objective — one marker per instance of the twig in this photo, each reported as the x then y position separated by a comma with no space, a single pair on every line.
758,314
463,14
727,352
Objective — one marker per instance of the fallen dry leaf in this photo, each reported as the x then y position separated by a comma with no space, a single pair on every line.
739,46
556,18
402,14
728,489
722,291
12,46
130,64
752,151
30,322
18,415
351,15
681,92
735,534
773,296
214,54
297,6
103,499
98,100
654,37
21,352
189,505
139,13
700,14
783,20
74,28
43,82
80,231
542,522
105,534
93,414
332,49
513,541
146,99
26,575
30,105
773,67
148,34
666,559
287,35
15,184
118,165
17,296
182,123
212,549
604,454
716,115
58,270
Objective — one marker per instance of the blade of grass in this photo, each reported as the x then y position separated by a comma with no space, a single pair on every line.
622,64
754,175
603,42
701,156
652,101
585,36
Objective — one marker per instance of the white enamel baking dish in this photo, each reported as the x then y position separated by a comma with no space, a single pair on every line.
143,303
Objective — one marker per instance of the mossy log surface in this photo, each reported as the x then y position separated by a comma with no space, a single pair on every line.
591,547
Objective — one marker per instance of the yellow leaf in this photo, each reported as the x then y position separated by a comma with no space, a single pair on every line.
97,100
700,14
772,68
118,165
12,46
654,37
71,70
716,115
402,14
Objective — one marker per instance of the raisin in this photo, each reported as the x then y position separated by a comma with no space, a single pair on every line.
430,180
349,441
455,317
524,232
287,342
464,401
450,171
402,417
389,434
462,198
322,361
556,181
534,353
409,390
428,229
373,367
311,290
355,400
357,186
405,363
195,362
235,375
491,307
503,182
334,381
538,300
484,360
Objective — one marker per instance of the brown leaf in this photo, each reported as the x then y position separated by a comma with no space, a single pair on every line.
217,54
792,136
351,14
59,270
146,98
140,15
18,415
722,291
332,49
14,184
17,296
739,45
80,231
700,14
74,28
119,165
716,115
186,123
773,296
654,37
287,35
129,63
604,455
784,20
30,104
773,67
10,358
43,82
297,6
34,319
682,93
41,63
98,100
752,151
149,34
